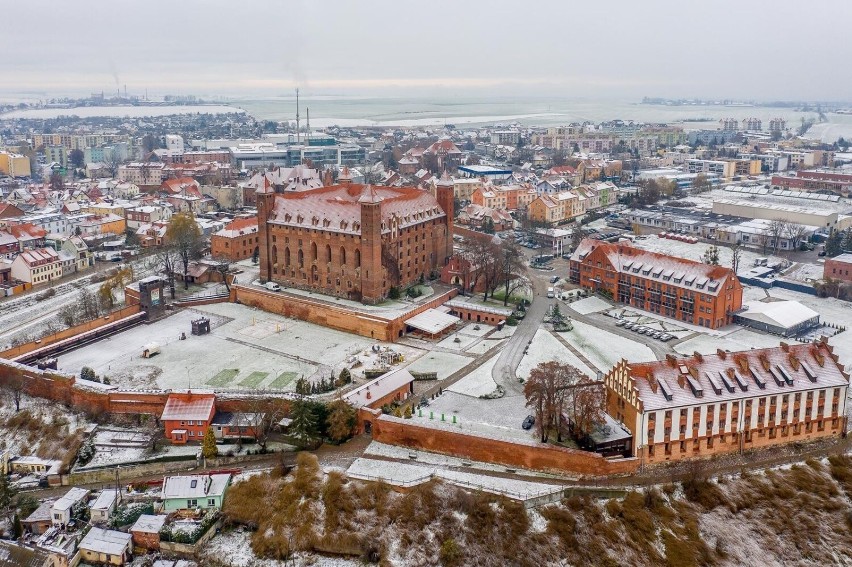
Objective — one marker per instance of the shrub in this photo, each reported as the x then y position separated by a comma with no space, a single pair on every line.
512,321
87,373
393,292
451,553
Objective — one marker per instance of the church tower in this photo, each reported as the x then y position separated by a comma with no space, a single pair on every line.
372,280
445,195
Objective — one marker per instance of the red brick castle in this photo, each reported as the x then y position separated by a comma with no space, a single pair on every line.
351,240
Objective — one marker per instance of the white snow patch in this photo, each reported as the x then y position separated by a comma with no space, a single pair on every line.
544,348
590,305
477,383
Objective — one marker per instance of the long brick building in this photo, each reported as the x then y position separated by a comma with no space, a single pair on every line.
351,240
707,404
696,293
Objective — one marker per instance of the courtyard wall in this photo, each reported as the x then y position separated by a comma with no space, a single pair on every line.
533,456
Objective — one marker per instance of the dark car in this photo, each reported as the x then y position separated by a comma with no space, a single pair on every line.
528,422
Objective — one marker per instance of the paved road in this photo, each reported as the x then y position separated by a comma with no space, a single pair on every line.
504,372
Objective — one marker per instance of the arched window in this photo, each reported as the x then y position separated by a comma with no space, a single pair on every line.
328,253
301,258
313,251
357,258
287,257
342,256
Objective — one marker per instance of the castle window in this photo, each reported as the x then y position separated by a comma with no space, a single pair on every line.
357,258
301,259
313,251
327,253
286,257
342,256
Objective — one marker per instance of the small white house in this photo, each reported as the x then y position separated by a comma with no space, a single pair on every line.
106,546
60,515
104,505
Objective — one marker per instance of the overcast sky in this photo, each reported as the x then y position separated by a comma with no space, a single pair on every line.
620,48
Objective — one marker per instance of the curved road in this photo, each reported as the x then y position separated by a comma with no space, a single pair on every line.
504,371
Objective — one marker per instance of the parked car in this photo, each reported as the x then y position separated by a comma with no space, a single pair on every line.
554,279
629,325
620,323
272,286
528,422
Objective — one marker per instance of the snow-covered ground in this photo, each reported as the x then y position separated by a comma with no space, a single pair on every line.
405,474
605,349
234,548
544,348
497,419
267,350
444,363
477,383
588,305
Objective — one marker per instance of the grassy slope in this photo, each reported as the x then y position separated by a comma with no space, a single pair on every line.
797,516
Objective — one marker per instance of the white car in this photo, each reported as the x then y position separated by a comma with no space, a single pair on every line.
272,286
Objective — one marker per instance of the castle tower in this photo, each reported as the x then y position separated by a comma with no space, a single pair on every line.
345,177
372,279
445,195
265,197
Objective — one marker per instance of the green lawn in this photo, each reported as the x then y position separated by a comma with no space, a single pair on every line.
224,377
253,379
283,380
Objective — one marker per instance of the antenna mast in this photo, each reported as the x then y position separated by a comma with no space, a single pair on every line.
297,115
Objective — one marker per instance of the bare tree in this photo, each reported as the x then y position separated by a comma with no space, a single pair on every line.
513,269
550,391
167,259
795,232
588,406
484,256
185,236
263,416
14,386
774,231
223,266
736,254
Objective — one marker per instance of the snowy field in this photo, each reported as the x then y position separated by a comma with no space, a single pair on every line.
405,474
497,419
438,460
444,363
477,383
590,305
605,349
234,548
246,349
544,348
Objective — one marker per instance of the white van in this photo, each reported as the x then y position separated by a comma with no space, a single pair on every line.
272,286
550,292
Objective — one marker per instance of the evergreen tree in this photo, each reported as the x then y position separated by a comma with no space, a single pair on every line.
7,497
711,255
304,425
834,244
208,445
17,528
345,377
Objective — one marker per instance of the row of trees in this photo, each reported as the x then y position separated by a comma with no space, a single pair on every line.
495,264
554,391
838,242
183,243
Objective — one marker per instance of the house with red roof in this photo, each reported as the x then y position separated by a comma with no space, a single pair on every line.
442,155
37,266
187,415
10,211
237,241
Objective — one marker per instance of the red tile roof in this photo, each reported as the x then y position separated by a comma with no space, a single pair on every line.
337,208
197,408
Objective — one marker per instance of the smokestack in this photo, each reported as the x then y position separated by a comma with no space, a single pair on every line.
308,125
297,116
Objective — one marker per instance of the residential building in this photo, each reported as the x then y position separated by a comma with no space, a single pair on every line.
187,415
37,266
16,555
146,531
442,155
9,211
485,218
704,405
56,154
108,547
835,181
838,268
62,511
353,240
147,214
14,165
551,210
9,245
505,137
689,291
193,492
825,219
143,175
40,520
237,241
100,225
104,505
505,197
752,124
